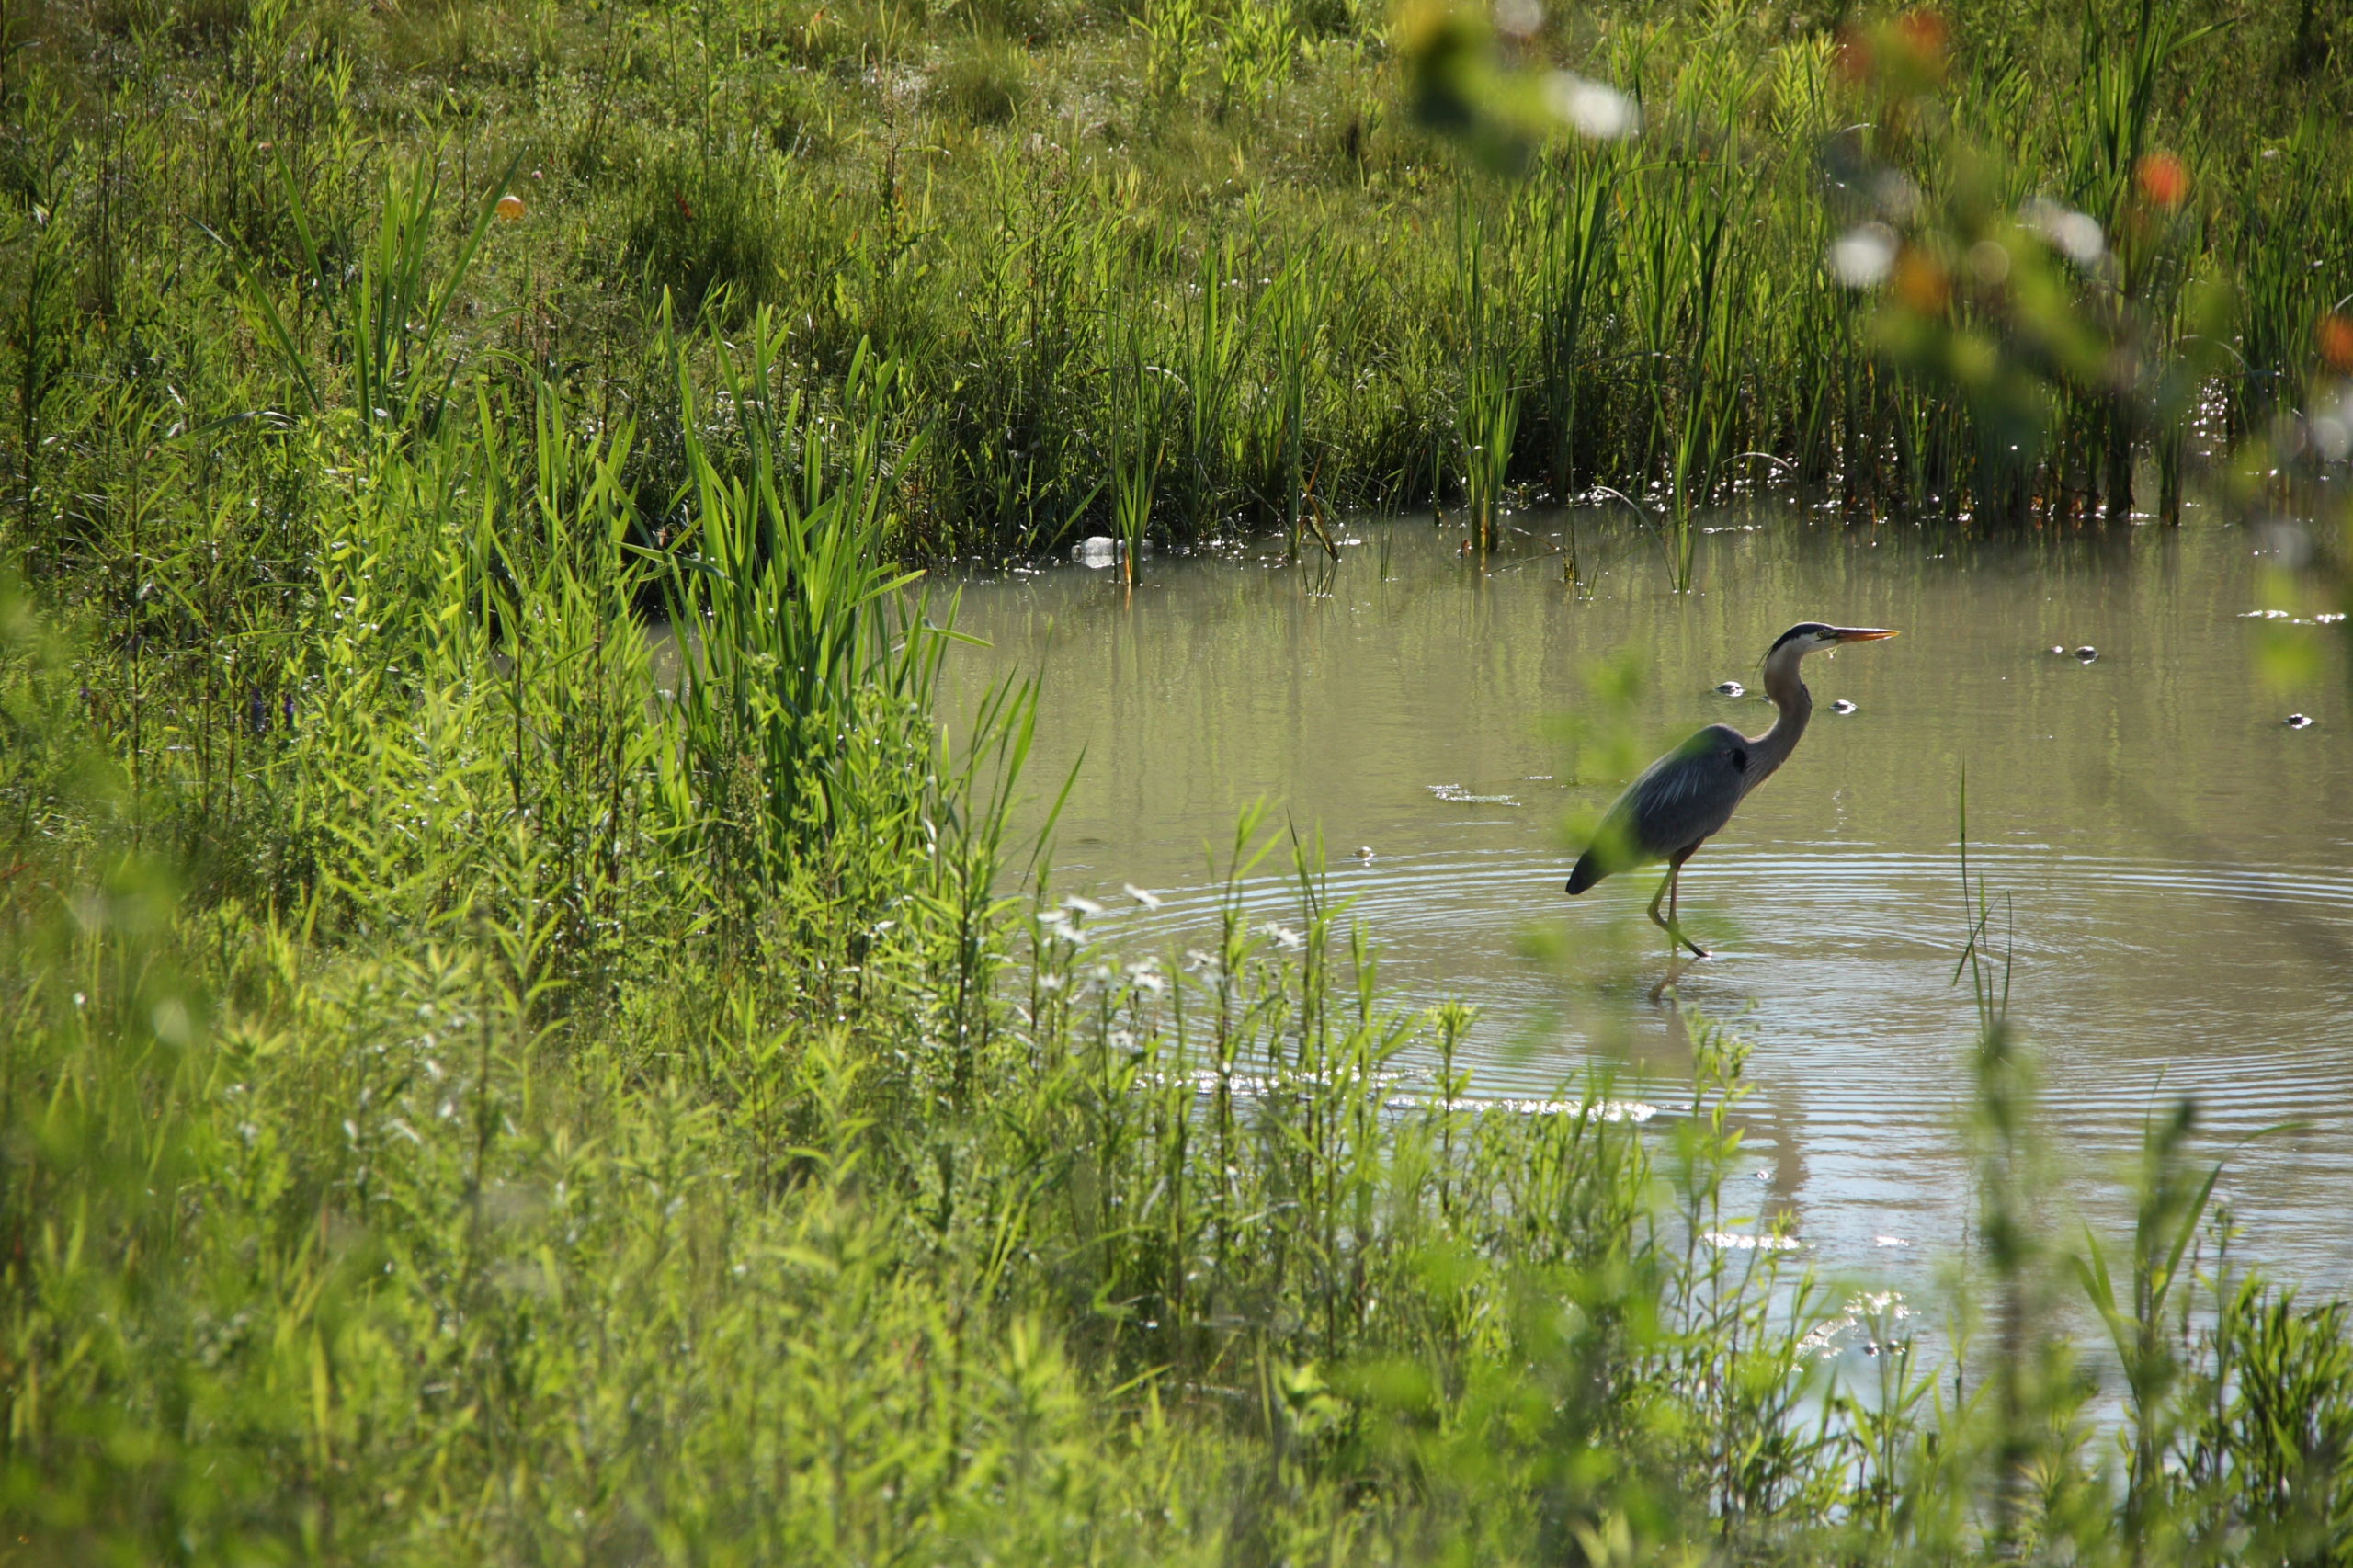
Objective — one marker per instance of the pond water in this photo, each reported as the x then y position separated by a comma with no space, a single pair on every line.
2169,865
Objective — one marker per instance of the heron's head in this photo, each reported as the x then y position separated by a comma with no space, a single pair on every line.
1814,637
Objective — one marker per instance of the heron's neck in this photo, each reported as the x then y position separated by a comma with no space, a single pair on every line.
1772,748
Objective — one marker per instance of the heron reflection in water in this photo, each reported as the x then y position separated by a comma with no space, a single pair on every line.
1685,797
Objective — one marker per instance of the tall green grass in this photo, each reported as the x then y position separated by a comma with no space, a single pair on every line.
1664,303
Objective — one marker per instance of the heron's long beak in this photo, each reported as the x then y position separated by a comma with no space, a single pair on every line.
1861,633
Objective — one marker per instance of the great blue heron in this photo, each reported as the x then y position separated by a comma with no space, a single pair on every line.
1685,797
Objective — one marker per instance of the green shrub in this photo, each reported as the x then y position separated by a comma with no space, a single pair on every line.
702,224
985,82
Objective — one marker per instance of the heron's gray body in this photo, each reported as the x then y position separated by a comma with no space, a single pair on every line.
1685,797
1680,801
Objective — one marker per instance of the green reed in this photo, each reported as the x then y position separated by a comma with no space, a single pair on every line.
1138,453
1489,404
1571,236
1291,307
1210,349
805,675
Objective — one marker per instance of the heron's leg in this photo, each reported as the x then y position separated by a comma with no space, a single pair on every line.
1659,897
1674,886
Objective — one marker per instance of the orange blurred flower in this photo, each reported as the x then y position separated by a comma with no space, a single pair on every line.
1925,34
1921,284
2164,179
1853,61
2336,335
510,207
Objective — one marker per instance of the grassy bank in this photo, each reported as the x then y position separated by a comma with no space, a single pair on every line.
481,1081
1207,258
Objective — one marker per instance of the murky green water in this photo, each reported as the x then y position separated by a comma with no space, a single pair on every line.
2170,865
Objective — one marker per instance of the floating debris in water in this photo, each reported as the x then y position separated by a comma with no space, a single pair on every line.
2058,651
2326,618
1364,853
1097,550
1148,899
2087,652
1592,1111
1634,1111
2300,720
1842,705
1460,796
1390,1085
1734,1242
1731,689
1889,1242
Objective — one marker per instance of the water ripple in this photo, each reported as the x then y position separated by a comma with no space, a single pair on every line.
1838,962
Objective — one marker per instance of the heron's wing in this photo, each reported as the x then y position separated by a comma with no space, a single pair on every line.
1681,799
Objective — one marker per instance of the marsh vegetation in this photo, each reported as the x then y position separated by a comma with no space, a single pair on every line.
473,1090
